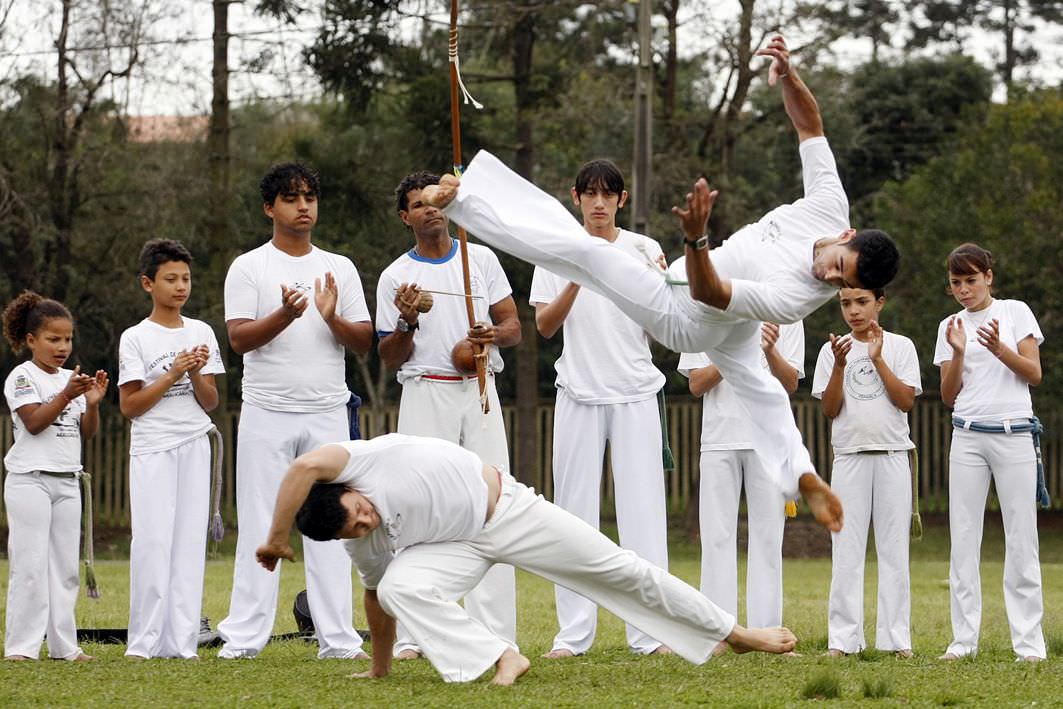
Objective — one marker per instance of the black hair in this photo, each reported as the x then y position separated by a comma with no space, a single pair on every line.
600,174
322,516
27,314
159,251
878,258
877,292
413,181
288,177
969,259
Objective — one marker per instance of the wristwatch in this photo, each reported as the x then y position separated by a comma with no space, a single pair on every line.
403,326
699,244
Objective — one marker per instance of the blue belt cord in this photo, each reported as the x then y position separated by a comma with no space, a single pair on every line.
353,404
1032,426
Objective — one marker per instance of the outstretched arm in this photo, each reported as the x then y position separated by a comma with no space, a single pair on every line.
706,286
798,100
318,466
382,632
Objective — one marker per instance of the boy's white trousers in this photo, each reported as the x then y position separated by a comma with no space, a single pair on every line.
169,496
723,473
422,585
633,430
1009,459
535,227
451,410
43,537
873,487
267,443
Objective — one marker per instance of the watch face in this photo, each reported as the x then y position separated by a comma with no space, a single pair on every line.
402,325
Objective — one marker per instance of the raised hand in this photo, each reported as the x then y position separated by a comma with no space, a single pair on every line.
695,218
955,335
989,337
840,346
184,362
293,301
874,340
326,298
97,388
769,336
441,195
202,355
77,385
780,58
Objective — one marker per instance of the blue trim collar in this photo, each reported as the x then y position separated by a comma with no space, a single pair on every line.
412,253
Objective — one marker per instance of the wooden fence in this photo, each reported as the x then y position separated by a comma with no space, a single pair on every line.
106,454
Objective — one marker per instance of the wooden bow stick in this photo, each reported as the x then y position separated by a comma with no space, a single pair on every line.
481,351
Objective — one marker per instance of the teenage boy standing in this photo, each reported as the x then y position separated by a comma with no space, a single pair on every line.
294,400
606,391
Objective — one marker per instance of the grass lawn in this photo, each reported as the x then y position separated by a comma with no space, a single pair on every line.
286,674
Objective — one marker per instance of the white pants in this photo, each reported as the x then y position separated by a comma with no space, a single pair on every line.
267,443
169,495
536,228
873,487
634,434
451,410
423,583
723,473
44,525
1009,459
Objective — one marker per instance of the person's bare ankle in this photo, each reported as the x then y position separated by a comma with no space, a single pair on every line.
408,654
662,650
559,654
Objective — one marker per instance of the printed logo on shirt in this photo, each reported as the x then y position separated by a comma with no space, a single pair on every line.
862,380
301,286
22,385
66,424
772,232
393,527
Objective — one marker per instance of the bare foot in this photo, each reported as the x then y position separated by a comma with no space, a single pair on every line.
903,654
662,650
825,505
774,640
511,665
82,657
442,194
363,655
792,654
1033,658
135,657
949,657
17,658
407,654
559,654
721,649
835,653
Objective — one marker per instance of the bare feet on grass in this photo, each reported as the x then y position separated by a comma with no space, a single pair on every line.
662,650
825,505
17,658
559,654
408,654
511,665
774,640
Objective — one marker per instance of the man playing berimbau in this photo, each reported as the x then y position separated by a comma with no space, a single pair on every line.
453,517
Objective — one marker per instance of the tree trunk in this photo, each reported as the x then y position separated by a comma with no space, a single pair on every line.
526,465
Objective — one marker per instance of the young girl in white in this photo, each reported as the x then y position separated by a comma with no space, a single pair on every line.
989,357
868,381
166,386
52,409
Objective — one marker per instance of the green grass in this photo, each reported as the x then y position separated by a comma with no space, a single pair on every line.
286,674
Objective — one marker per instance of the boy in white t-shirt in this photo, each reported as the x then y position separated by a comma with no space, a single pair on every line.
291,309
167,364
729,463
868,381
437,399
606,392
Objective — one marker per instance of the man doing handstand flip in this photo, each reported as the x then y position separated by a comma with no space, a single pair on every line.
779,270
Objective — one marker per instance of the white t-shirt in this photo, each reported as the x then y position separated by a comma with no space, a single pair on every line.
302,368
145,353
868,420
725,423
57,448
606,356
770,262
991,392
447,322
424,489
